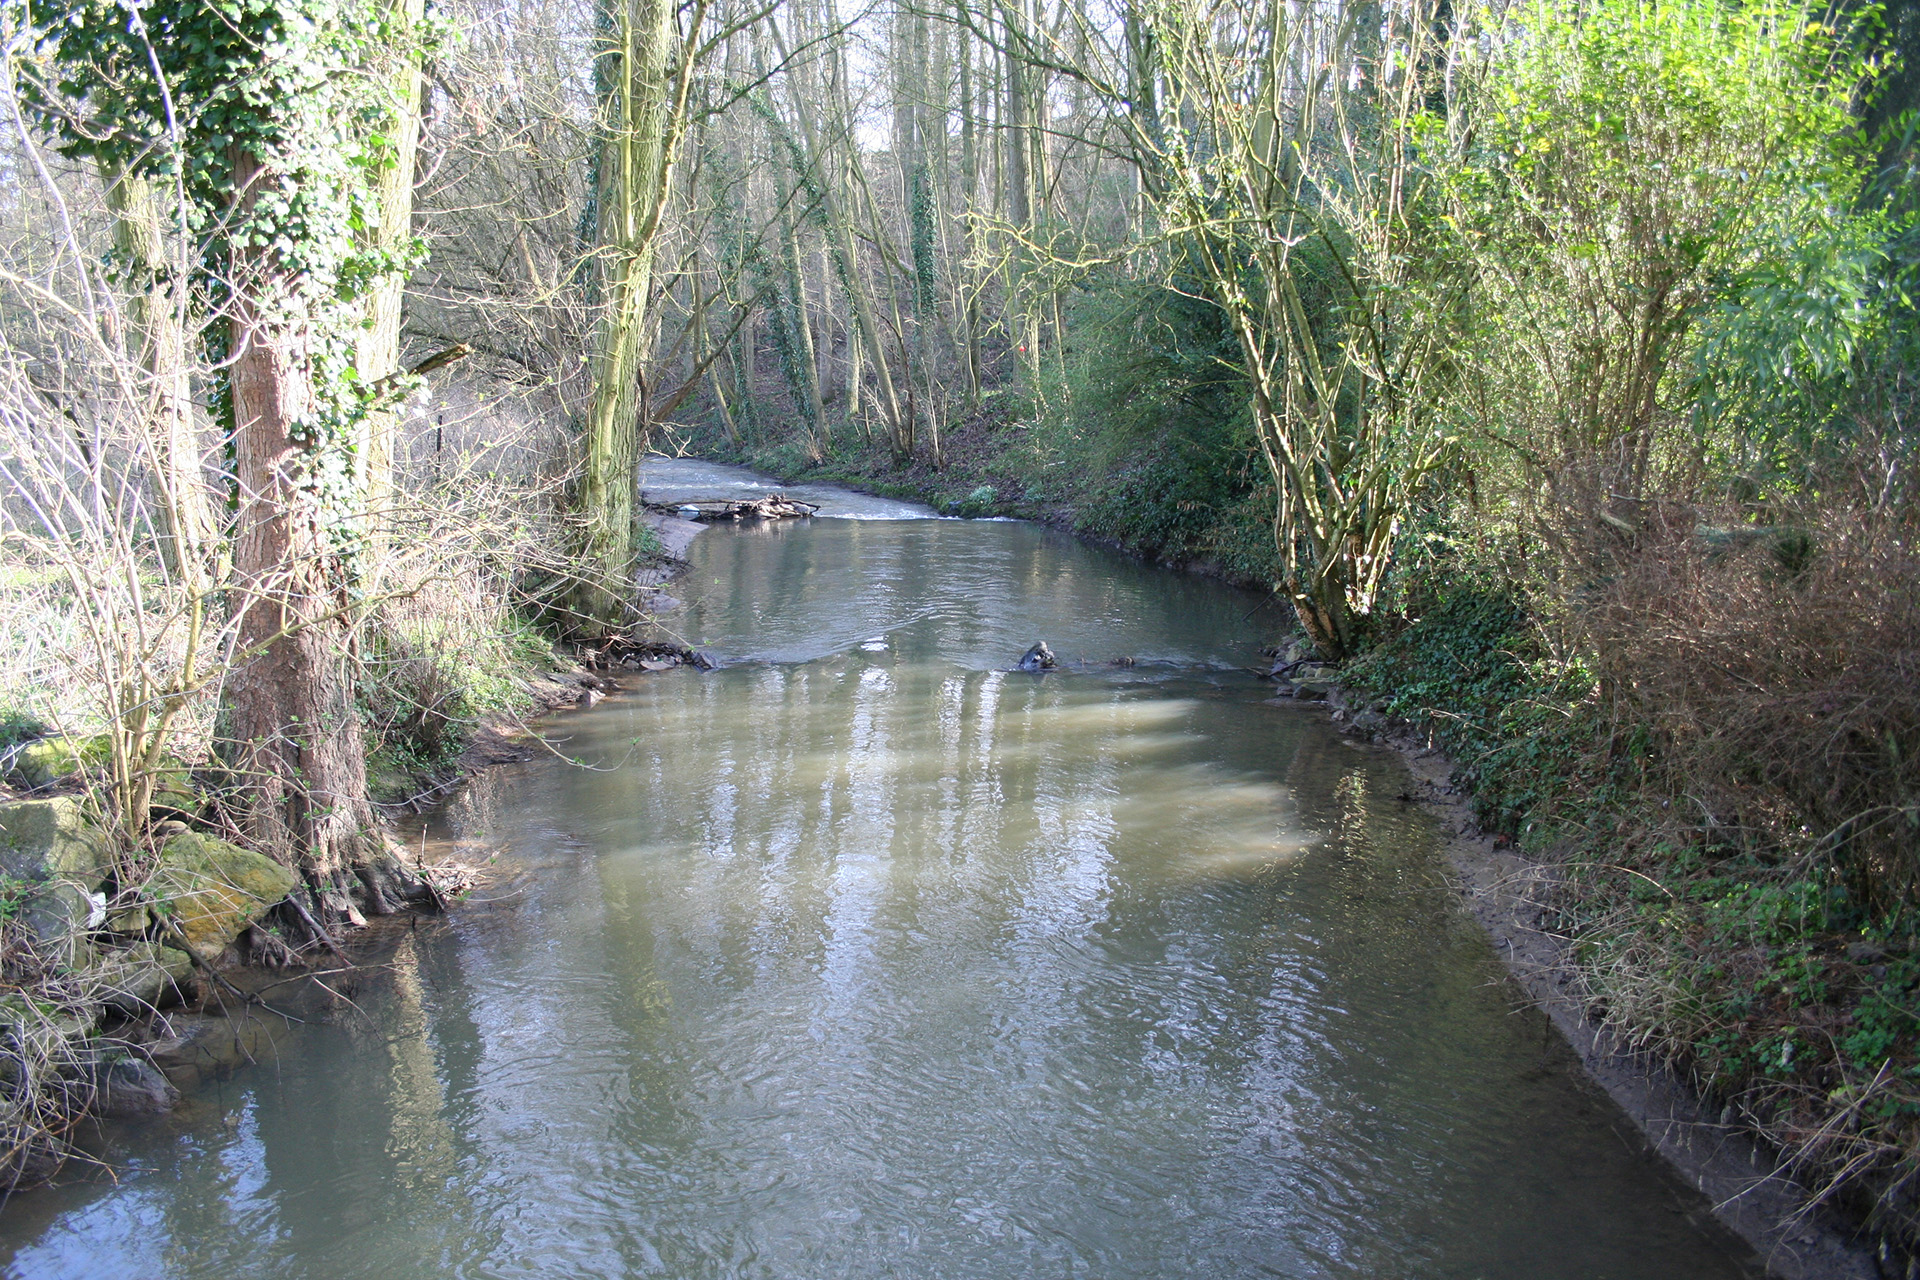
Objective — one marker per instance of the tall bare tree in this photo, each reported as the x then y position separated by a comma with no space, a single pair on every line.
395,76
644,71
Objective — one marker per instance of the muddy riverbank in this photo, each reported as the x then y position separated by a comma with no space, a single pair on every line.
1505,892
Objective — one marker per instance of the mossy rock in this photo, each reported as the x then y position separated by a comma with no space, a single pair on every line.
131,921
211,891
134,979
24,1019
45,761
59,914
51,839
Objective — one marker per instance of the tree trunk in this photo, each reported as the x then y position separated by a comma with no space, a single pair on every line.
295,739
1021,182
636,173
377,351
187,530
970,187
802,355
812,156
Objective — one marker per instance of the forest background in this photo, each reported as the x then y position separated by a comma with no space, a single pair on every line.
1552,363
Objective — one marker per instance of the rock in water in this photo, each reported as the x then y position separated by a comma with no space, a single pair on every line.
129,1088
203,1047
1038,658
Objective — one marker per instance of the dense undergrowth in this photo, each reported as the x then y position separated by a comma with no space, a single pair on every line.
1713,752
1698,710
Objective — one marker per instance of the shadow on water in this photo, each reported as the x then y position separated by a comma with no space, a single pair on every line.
863,957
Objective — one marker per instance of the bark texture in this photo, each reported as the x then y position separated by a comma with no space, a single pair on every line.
294,735
635,178
377,353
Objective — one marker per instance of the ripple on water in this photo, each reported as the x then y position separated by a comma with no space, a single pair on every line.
881,961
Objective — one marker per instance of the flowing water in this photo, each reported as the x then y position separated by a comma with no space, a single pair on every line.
864,956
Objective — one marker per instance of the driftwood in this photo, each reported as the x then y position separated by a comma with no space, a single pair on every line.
773,507
642,655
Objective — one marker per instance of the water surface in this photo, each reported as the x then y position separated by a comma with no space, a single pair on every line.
863,956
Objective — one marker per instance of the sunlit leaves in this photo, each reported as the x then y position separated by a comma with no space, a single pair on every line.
1664,200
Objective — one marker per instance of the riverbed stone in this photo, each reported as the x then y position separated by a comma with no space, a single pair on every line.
211,890
141,977
203,1047
51,839
129,1088
1370,722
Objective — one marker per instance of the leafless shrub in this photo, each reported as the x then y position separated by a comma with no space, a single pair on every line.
1780,665
47,1055
1768,655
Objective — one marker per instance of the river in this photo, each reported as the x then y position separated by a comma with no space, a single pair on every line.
864,956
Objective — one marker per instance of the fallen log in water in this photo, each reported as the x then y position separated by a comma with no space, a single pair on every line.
772,507
642,655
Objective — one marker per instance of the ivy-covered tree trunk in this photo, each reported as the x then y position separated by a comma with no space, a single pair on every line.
295,739
636,170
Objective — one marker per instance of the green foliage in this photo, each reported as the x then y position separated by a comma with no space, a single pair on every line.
1470,673
920,209
263,113
981,500
18,726
1673,259
14,893
1154,435
647,547
242,85
1764,952
786,458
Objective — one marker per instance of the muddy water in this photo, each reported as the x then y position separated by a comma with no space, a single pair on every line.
863,956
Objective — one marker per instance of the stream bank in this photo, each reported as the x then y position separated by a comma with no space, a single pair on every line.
1508,894
1033,943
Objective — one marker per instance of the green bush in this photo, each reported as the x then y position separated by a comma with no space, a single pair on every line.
427,683
1150,435
982,500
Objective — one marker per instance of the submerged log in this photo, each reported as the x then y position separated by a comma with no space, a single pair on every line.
1038,658
772,507
619,652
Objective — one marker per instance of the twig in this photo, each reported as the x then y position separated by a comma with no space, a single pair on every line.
193,957
319,931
